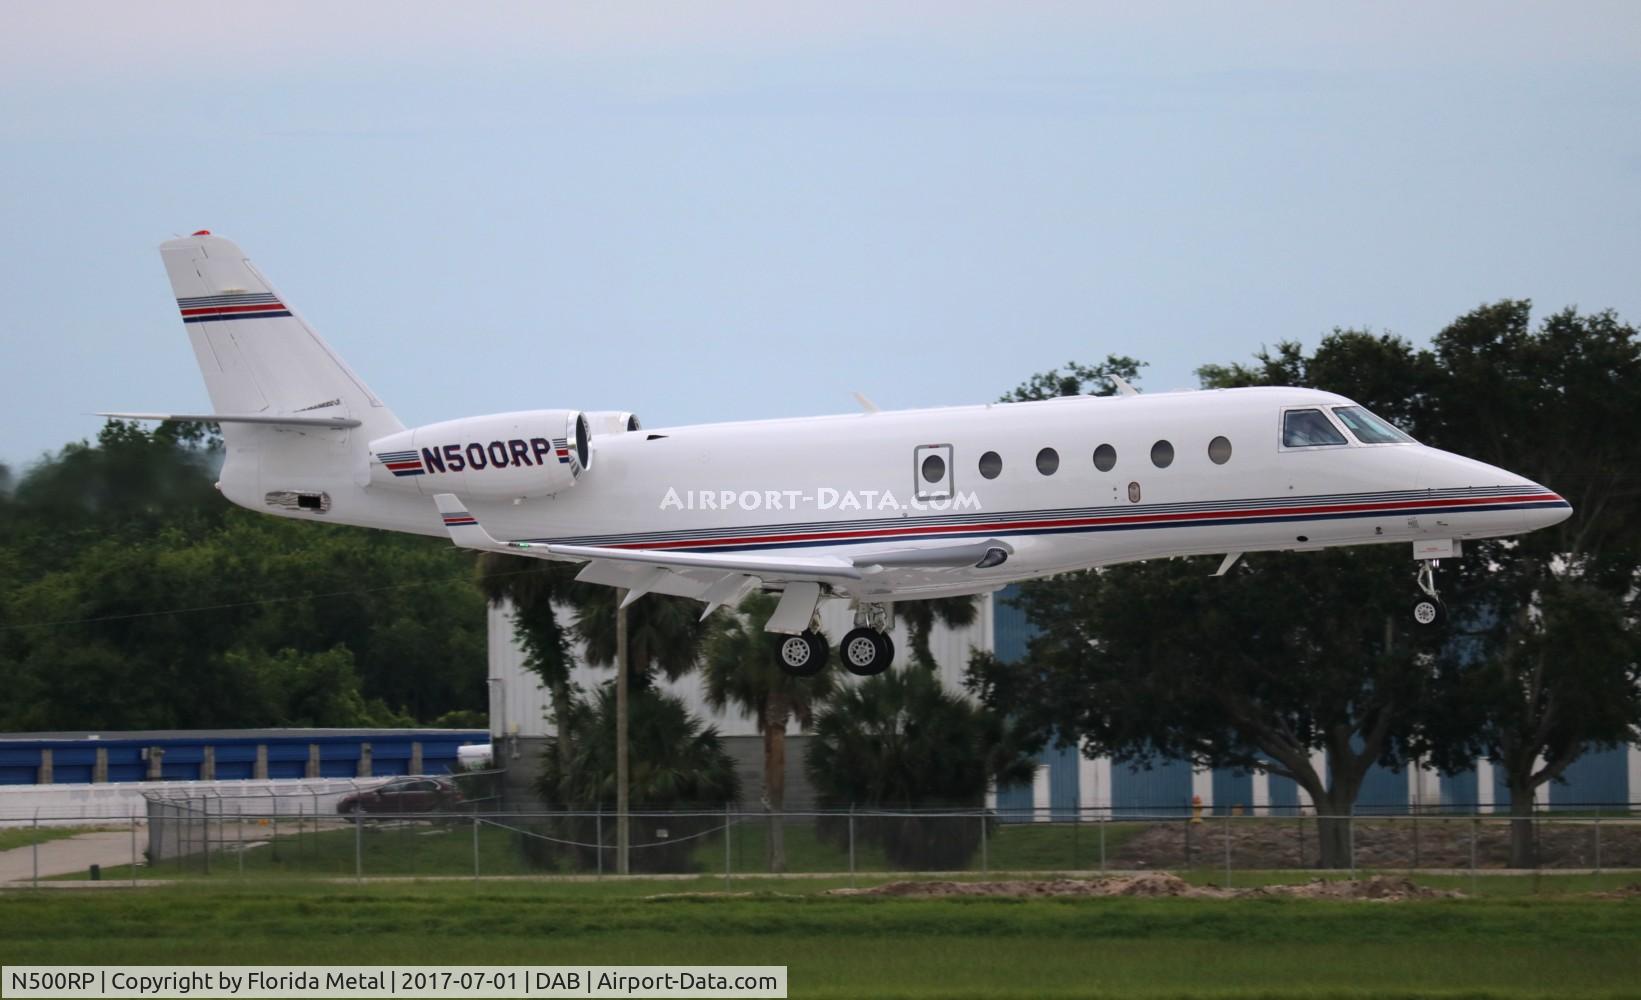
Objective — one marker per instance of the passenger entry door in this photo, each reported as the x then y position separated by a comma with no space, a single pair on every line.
932,472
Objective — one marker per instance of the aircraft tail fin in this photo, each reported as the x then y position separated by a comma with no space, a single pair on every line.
257,354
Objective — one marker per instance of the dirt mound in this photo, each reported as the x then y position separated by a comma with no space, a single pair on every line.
1154,884
1148,884
1378,888
1631,891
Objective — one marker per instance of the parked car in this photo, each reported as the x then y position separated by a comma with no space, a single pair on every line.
404,795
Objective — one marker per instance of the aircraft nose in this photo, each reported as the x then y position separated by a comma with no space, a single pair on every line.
1545,508
1513,503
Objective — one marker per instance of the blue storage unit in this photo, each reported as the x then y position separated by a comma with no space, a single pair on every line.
235,761
74,755
125,762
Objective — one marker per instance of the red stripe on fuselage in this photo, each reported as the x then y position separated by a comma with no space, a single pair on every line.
1003,527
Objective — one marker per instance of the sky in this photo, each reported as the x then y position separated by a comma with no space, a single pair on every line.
718,211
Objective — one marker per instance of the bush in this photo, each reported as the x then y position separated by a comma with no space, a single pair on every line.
677,763
901,742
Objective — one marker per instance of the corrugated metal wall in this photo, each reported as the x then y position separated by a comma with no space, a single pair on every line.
520,706
1600,776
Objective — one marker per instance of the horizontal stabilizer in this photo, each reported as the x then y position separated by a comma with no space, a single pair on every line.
339,423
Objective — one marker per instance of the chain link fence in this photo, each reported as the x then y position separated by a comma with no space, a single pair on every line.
313,833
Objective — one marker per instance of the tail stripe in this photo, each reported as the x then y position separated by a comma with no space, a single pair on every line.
241,305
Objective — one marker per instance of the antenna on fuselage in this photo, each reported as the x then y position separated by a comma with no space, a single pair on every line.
1122,384
865,404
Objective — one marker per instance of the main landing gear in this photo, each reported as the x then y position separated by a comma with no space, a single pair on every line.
801,655
1428,610
866,650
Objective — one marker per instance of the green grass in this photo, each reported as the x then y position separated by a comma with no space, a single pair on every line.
414,849
15,837
836,947
423,849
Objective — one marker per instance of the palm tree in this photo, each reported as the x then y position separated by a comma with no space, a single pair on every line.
679,763
657,632
534,587
741,670
901,742
663,633
920,616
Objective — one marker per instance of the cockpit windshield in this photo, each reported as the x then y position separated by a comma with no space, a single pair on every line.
1309,429
1368,428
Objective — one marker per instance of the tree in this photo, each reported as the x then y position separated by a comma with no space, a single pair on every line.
679,764
901,742
1564,675
1076,379
1545,664
1287,654
537,590
739,670
920,618
663,633
133,596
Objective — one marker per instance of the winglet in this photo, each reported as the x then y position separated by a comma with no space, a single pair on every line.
1122,384
465,529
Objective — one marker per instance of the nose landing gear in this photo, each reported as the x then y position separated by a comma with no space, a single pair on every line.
1428,610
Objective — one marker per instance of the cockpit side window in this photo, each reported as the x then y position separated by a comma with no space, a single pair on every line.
1368,428
1309,429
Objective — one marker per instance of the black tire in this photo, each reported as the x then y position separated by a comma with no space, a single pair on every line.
802,655
866,652
1429,612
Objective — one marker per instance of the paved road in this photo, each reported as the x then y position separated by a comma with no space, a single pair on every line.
74,854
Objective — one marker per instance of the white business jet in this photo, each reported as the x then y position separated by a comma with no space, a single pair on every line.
869,507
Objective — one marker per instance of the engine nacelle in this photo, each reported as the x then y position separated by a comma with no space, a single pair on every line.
612,421
504,456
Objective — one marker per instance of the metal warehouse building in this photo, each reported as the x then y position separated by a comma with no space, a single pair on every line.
1065,781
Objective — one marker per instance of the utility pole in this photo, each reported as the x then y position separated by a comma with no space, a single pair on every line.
621,770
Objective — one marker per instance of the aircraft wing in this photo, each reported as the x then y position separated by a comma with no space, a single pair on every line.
722,577
774,567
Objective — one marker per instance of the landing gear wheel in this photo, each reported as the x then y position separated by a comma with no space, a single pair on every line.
1429,612
866,652
801,655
